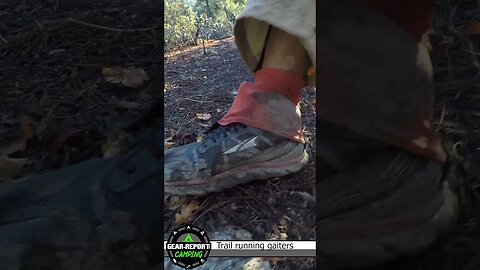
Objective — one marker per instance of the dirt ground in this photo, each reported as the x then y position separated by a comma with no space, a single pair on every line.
52,54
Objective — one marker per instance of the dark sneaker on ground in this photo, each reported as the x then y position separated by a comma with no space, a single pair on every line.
229,156
376,202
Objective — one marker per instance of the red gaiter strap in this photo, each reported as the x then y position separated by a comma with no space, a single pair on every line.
272,103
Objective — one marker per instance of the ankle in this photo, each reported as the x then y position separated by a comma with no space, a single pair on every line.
286,83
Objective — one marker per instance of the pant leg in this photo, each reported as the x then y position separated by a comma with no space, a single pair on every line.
297,18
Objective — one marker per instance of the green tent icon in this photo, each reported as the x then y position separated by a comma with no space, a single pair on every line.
188,238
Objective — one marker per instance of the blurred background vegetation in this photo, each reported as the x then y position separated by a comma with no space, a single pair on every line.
189,21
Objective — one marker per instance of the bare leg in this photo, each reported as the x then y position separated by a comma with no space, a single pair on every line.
284,51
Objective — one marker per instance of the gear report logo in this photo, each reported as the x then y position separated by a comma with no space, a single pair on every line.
188,246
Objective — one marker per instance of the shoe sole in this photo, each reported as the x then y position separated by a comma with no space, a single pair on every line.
239,175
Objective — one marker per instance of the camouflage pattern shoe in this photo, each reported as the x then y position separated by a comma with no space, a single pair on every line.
229,156
376,202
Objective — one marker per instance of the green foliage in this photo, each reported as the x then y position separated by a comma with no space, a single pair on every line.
188,21
179,23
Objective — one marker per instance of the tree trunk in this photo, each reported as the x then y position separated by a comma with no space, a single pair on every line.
196,35
204,50
210,12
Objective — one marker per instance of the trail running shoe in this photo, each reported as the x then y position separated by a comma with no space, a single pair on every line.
84,215
229,156
375,202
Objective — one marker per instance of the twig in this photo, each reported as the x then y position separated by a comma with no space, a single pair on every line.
473,53
210,209
110,28
200,101
442,117
3,39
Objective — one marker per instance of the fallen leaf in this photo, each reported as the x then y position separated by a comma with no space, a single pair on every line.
276,260
173,135
201,137
129,77
185,138
174,202
474,28
13,148
186,212
204,116
169,141
61,137
114,145
167,145
27,126
11,167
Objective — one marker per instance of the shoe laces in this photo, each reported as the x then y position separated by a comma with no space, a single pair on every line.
217,133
